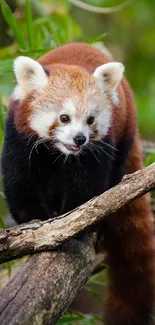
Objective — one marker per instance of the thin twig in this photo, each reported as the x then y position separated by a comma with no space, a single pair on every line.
100,10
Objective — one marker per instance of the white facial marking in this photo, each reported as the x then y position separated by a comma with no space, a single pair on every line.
41,121
63,149
69,107
67,133
30,76
104,119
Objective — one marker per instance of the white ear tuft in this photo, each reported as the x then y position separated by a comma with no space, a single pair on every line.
109,75
30,76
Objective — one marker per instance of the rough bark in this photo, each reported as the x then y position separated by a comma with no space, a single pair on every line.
46,284
42,236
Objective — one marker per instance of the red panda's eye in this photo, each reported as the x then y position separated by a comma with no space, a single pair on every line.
90,120
64,118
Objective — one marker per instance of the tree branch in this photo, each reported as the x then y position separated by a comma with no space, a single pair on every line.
43,236
46,284
100,10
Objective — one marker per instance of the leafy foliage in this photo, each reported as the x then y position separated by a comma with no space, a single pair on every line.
33,37
7,13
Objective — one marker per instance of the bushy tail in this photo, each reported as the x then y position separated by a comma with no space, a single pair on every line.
130,244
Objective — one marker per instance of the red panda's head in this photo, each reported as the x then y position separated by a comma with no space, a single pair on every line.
69,105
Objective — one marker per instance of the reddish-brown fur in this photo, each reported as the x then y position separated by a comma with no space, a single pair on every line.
52,127
129,238
22,112
89,58
130,243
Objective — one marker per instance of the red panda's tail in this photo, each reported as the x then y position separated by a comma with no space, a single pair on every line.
131,255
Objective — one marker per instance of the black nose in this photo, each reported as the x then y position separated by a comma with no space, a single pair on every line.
80,139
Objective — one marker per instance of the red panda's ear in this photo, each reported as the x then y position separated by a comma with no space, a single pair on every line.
109,75
30,76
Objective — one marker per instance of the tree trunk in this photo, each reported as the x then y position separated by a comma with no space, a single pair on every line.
46,284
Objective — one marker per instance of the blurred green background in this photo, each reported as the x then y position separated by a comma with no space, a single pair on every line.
34,27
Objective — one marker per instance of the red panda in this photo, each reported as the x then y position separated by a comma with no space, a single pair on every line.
70,135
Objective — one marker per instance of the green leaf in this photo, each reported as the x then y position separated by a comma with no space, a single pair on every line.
9,17
150,160
99,278
6,66
41,20
99,38
2,195
95,293
29,25
3,111
67,319
2,224
9,268
79,318
98,282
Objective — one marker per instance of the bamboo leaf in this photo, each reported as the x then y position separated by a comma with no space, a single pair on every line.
29,25
9,17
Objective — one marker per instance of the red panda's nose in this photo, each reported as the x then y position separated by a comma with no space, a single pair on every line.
80,139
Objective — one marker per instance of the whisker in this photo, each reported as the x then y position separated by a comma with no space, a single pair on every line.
57,157
95,147
113,158
35,146
30,154
46,145
89,148
78,159
102,149
109,145
29,137
67,158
